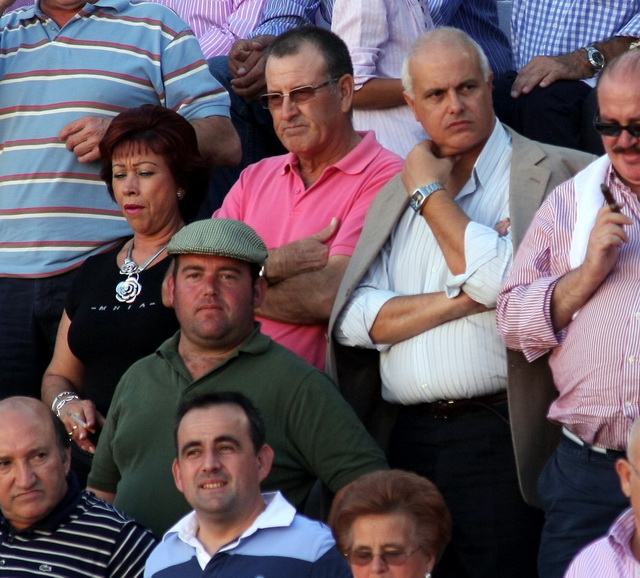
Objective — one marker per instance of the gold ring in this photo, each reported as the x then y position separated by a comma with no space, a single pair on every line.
74,428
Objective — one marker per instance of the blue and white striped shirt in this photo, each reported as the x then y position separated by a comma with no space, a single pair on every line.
462,358
113,55
479,19
282,15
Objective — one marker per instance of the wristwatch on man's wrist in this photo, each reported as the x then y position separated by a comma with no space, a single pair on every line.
596,59
421,194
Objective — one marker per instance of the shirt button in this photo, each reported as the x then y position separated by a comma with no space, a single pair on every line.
631,359
424,385
637,314
627,403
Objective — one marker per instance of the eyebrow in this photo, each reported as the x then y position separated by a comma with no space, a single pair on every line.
144,162
199,443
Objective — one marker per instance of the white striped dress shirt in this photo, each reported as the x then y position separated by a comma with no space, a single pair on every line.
595,360
463,358
218,23
379,34
610,556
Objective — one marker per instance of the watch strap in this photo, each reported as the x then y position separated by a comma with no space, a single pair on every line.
421,194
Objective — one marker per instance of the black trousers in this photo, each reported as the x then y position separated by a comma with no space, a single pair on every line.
470,459
561,114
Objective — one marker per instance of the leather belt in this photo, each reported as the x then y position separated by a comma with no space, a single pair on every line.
448,408
615,454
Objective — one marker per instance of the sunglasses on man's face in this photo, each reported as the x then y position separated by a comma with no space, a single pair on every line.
615,129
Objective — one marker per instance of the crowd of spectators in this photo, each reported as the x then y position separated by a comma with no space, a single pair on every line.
267,262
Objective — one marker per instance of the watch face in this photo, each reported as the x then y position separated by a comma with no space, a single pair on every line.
596,57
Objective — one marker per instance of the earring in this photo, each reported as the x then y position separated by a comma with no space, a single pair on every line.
427,575
180,194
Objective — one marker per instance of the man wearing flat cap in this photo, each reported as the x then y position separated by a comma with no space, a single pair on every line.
214,287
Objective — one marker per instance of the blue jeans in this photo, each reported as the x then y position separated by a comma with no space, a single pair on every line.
257,137
30,311
581,496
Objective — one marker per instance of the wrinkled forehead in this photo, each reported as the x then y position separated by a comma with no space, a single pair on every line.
307,66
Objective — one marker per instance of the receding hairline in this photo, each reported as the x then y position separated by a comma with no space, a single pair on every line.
450,39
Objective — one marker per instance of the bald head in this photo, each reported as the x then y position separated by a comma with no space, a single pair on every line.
452,39
624,67
34,411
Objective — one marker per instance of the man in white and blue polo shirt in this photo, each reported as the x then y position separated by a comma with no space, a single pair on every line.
66,69
235,530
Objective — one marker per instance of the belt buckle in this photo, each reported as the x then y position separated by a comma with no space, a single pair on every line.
442,403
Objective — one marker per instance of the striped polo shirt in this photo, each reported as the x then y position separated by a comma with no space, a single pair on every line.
83,537
113,55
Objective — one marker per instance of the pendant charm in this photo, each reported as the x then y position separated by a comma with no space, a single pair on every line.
128,290
129,267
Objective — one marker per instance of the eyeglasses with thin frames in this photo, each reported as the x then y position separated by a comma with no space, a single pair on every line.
615,129
299,95
389,557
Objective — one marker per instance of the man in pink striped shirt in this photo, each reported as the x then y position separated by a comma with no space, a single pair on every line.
573,292
618,553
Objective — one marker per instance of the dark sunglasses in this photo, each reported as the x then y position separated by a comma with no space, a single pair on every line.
615,129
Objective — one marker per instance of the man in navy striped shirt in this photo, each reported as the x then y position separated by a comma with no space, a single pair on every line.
48,525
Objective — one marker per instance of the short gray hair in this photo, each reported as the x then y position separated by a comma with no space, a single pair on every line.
456,38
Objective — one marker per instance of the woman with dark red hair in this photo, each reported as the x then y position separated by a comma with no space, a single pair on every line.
114,314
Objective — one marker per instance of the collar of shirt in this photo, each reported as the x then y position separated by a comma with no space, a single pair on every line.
117,5
490,161
353,163
622,532
278,514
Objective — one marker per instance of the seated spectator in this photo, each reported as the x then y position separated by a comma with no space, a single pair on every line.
214,287
391,522
114,314
617,555
379,34
218,24
309,206
560,47
234,530
48,525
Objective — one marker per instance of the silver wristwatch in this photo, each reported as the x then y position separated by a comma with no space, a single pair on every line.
596,58
421,194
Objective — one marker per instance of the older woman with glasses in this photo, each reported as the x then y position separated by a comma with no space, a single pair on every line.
391,523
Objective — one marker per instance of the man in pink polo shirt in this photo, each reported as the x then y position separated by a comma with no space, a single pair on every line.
309,205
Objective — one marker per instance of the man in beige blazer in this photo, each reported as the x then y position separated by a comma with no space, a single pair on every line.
455,109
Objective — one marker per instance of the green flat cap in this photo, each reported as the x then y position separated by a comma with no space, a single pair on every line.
220,237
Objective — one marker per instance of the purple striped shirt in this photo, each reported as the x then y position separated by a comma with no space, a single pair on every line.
218,23
611,555
596,359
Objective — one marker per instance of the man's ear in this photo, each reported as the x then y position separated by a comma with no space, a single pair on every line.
259,292
265,460
346,86
168,289
177,477
625,471
409,100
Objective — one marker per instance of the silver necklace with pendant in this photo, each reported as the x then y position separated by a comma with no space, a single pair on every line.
130,288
